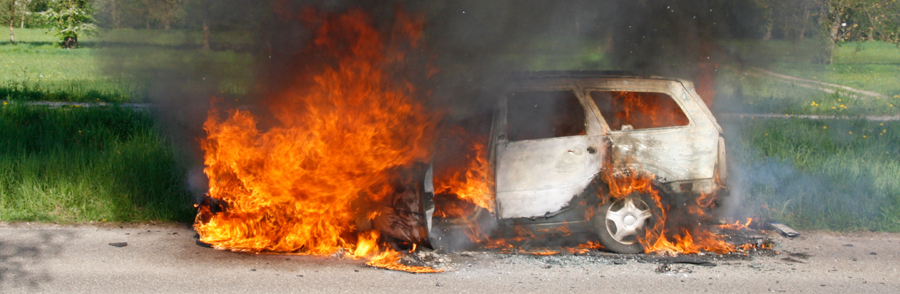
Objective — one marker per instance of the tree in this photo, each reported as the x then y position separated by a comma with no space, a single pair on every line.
9,13
70,18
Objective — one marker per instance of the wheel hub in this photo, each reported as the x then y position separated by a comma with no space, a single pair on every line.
625,219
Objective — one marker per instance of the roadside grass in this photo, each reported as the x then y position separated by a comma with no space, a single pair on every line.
115,67
872,66
818,174
837,175
75,164
737,92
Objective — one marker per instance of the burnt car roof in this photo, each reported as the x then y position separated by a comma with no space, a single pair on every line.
584,74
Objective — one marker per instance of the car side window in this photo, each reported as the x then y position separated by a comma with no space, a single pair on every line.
545,114
625,110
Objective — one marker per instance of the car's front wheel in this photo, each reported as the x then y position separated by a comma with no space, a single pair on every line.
620,222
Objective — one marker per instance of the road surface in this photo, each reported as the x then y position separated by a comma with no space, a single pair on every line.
166,259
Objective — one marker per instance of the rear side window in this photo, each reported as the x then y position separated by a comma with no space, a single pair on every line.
540,115
638,110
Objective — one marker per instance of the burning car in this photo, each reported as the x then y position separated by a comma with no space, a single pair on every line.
560,144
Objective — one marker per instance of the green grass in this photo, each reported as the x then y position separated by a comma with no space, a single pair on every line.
818,174
814,174
742,93
76,164
873,66
118,66
870,66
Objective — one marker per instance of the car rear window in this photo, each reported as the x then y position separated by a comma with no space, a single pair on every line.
545,114
639,110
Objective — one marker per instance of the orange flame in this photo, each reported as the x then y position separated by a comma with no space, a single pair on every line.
737,225
460,189
641,110
673,237
299,184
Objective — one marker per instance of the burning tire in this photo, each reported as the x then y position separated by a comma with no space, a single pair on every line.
621,221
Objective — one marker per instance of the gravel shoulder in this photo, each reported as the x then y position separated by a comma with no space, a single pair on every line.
166,258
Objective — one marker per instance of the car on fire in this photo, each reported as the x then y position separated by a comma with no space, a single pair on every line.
556,136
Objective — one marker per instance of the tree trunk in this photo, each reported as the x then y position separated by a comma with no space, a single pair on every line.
205,35
22,25
70,42
12,33
834,26
805,23
114,13
206,25
608,40
770,23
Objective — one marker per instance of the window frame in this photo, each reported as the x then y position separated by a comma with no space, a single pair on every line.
607,129
503,120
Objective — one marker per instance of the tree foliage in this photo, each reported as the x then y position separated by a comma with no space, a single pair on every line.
865,20
68,19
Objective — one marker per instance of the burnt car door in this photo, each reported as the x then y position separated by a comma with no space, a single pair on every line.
650,130
547,150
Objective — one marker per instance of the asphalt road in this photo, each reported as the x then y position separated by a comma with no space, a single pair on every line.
165,258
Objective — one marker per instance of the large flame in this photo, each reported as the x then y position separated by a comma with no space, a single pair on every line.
328,156
460,189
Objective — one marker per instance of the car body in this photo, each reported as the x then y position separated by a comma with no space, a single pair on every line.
555,134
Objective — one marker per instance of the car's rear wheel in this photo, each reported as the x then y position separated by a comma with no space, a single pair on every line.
620,222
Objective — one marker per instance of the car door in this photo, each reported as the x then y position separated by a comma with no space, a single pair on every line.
651,131
546,151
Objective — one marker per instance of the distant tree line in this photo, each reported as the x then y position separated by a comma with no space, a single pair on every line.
837,20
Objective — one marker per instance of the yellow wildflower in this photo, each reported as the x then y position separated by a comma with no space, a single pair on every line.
851,132
825,127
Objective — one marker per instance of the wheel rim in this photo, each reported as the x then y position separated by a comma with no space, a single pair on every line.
625,219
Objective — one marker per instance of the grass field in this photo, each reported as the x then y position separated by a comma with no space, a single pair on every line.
870,66
818,174
76,164
114,67
815,174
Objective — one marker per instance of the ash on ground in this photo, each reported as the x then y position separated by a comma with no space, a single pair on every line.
749,243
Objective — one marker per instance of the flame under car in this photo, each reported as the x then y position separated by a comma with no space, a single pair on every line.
558,141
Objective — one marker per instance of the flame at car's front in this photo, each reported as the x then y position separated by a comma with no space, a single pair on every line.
299,184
